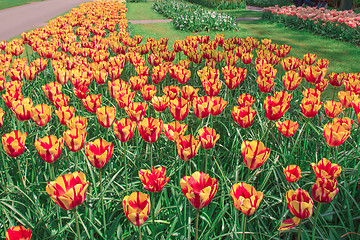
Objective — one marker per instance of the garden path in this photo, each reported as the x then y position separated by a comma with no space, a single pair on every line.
14,21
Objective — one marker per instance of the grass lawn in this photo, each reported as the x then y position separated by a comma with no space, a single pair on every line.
342,56
13,3
242,13
142,11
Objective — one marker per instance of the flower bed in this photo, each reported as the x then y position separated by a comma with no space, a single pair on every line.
169,137
341,25
193,18
221,4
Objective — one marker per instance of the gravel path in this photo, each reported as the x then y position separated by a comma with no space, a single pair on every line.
14,21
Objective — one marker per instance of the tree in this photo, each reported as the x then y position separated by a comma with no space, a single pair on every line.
346,4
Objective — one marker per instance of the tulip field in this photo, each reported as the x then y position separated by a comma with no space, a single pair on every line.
108,135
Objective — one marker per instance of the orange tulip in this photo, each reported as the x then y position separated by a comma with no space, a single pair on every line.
333,109
137,82
187,146
106,116
74,139
30,73
275,107
99,152
202,106
309,58
335,134
148,92
173,130
254,154
124,98
160,103
158,74
68,191
51,89
49,148
14,143
18,233
92,102
137,207
77,122
290,63
136,111
310,106
124,129
212,86
246,198
199,189
153,180
189,93
344,122
325,169
150,129
337,79
244,116
179,108
208,137
60,100
64,114
348,99
300,203
291,80
171,91
10,97
324,190
22,109
100,76
41,114
287,128
218,105
292,173
245,100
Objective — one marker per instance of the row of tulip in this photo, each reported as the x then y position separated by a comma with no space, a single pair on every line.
111,53
341,25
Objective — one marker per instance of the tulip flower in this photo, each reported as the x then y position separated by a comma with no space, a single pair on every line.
245,100
199,189
68,191
158,74
348,99
49,148
187,147
244,116
74,139
64,114
325,169
337,79
106,116
77,122
344,122
202,106
2,115
137,207
148,92
179,108
14,143
291,80
124,129
150,129
246,198
218,105
61,75
22,109
117,86
310,106
100,76
335,134
212,86
153,180
124,98
290,63
99,152
92,102
324,190
137,82
30,73
160,103
254,154
41,114
51,89
208,137
333,109
309,58
233,76
287,128
189,93
18,233
171,91
314,74
10,97
60,100
292,173
300,203
275,108
136,111
173,130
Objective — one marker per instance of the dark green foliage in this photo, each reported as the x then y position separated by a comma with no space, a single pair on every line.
221,4
268,3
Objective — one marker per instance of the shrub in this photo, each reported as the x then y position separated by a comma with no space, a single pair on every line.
268,3
191,17
221,4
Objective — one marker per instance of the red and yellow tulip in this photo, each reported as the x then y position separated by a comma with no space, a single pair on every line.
137,207
245,197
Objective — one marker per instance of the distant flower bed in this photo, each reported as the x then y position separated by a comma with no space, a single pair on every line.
191,17
221,4
341,25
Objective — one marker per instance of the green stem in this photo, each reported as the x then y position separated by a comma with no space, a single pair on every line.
75,160
153,214
151,156
126,170
206,160
77,225
19,170
299,231
197,224
139,232
52,171
243,222
315,220
102,201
